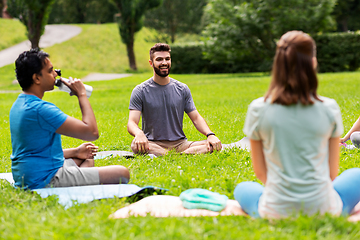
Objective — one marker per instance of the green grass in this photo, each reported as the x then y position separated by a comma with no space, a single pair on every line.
98,49
12,32
222,100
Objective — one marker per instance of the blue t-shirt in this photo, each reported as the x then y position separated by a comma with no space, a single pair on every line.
36,147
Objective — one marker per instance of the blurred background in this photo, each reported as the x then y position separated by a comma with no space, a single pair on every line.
209,36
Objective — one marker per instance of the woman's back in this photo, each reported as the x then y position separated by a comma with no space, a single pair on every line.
295,141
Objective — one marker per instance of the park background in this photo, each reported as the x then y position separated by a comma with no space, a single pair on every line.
222,50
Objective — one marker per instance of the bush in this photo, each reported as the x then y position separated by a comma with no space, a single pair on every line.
338,52
190,59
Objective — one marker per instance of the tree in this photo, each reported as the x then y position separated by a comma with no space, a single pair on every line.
131,21
2,5
238,29
175,16
82,11
33,14
346,13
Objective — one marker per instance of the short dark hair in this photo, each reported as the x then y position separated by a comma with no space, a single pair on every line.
28,63
159,47
293,74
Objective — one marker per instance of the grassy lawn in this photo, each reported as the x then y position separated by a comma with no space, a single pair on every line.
221,99
12,32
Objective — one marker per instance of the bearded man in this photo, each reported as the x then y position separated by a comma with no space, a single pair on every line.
162,101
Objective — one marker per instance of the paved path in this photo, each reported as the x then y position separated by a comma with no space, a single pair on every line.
53,34
104,76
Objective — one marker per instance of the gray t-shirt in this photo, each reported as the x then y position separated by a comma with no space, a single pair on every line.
162,108
295,143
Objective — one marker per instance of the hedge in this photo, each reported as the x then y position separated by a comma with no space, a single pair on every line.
335,52
189,58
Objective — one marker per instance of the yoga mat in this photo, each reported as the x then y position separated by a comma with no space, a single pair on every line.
84,194
105,154
244,144
125,154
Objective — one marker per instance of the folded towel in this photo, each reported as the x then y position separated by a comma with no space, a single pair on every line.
198,198
171,206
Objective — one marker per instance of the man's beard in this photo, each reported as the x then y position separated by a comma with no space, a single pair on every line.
158,71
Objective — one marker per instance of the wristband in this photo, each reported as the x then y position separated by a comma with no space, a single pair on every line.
210,133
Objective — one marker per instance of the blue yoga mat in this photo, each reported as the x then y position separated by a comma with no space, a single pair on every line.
84,194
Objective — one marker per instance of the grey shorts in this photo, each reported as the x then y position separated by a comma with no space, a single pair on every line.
70,175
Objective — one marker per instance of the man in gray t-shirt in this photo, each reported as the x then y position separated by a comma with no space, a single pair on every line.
162,102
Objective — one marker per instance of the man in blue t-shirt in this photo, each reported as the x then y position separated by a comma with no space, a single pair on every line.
36,126
162,101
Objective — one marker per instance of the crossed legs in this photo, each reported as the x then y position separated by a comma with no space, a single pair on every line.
248,193
160,148
112,174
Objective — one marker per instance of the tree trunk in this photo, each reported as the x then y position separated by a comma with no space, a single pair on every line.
344,25
131,54
2,5
173,33
34,30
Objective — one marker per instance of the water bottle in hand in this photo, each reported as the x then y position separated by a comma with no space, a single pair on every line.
63,87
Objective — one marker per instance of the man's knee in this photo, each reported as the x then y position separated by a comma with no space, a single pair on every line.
198,147
134,148
89,163
124,173
202,147
355,139
114,174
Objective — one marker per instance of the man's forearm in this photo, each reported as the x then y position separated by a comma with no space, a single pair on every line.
354,128
70,153
199,122
134,129
202,126
88,116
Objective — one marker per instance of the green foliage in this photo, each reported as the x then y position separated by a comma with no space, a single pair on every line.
189,58
98,49
82,11
237,30
346,13
335,52
176,16
87,53
2,5
13,33
338,51
33,14
131,21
